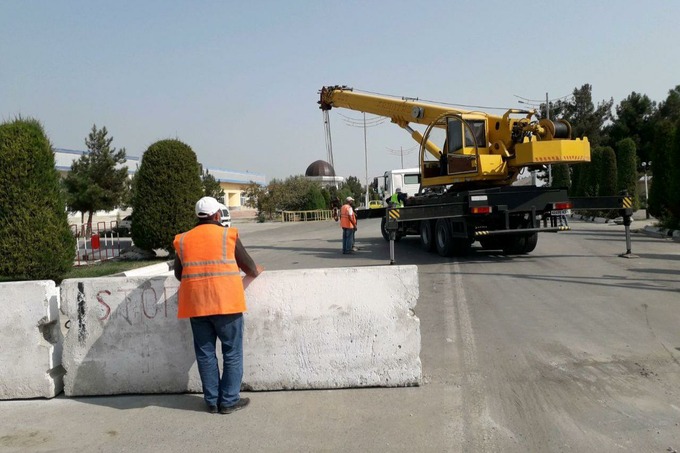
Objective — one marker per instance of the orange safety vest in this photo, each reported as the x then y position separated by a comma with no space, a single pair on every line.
345,217
211,280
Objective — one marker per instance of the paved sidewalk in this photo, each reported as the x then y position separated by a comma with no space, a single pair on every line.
641,224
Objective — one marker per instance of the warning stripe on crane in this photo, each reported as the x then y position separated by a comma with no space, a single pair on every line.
394,213
487,232
627,202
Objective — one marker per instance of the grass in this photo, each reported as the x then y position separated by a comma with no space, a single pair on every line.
109,268
101,269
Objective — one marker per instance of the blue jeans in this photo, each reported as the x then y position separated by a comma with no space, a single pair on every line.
229,329
347,239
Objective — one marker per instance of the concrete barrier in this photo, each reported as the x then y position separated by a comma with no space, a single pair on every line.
305,329
30,350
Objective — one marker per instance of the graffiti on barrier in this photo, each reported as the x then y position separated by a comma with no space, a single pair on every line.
138,304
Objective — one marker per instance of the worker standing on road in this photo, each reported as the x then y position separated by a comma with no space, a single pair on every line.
348,222
211,294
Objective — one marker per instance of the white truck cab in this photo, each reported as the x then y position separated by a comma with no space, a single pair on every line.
407,179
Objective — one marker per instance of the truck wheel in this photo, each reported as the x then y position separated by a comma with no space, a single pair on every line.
530,243
520,245
427,235
443,237
461,246
491,243
513,245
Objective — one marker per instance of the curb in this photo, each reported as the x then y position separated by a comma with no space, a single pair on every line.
148,271
653,231
648,230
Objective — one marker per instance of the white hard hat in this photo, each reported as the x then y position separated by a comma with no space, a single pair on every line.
206,207
349,199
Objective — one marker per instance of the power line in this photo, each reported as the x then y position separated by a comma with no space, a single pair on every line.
406,98
359,122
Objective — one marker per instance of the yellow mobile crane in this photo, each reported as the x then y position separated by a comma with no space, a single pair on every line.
466,191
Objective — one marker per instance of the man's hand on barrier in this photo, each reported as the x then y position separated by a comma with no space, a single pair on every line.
248,279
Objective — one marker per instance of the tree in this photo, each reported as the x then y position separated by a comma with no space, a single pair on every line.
589,183
674,180
586,120
670,107
96,180
578,178
167,187
212,187
633,120
626,162
608,176
560,176
314,199
35,240
659,199
353,186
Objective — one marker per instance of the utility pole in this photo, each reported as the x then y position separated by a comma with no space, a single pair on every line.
366,161
547,117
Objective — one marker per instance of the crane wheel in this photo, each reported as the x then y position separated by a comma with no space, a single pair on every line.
491,243
427,240
443,237
520,245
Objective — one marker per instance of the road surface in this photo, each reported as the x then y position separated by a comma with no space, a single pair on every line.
571,348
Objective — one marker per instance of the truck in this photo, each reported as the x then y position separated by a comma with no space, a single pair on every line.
468,161
406,179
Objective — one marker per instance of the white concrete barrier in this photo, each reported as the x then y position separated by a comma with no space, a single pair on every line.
305,329
333,328
30,346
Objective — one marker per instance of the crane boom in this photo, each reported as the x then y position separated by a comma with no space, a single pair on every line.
480,149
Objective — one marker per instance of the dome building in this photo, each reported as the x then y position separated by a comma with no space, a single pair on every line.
324,173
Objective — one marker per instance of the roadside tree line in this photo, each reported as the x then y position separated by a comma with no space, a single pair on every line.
36,241
639,136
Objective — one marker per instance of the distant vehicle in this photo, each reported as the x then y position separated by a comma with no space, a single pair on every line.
225,219
125,225
375,204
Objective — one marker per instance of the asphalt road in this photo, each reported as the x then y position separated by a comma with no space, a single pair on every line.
571,348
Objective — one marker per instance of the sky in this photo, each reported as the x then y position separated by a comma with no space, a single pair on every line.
238,81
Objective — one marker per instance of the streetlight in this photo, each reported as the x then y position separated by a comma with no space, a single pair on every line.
646,165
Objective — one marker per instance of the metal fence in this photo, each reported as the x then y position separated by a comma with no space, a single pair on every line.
101,243
306,216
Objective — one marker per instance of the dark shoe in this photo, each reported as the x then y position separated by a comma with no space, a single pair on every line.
212,409
240,404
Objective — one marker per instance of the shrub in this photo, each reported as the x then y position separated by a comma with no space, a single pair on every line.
35,240
166,189
560,176
626,162
608,172
659,192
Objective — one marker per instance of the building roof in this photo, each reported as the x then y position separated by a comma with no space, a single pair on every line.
64,158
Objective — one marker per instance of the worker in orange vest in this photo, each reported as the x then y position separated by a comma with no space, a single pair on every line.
348,222
211,294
